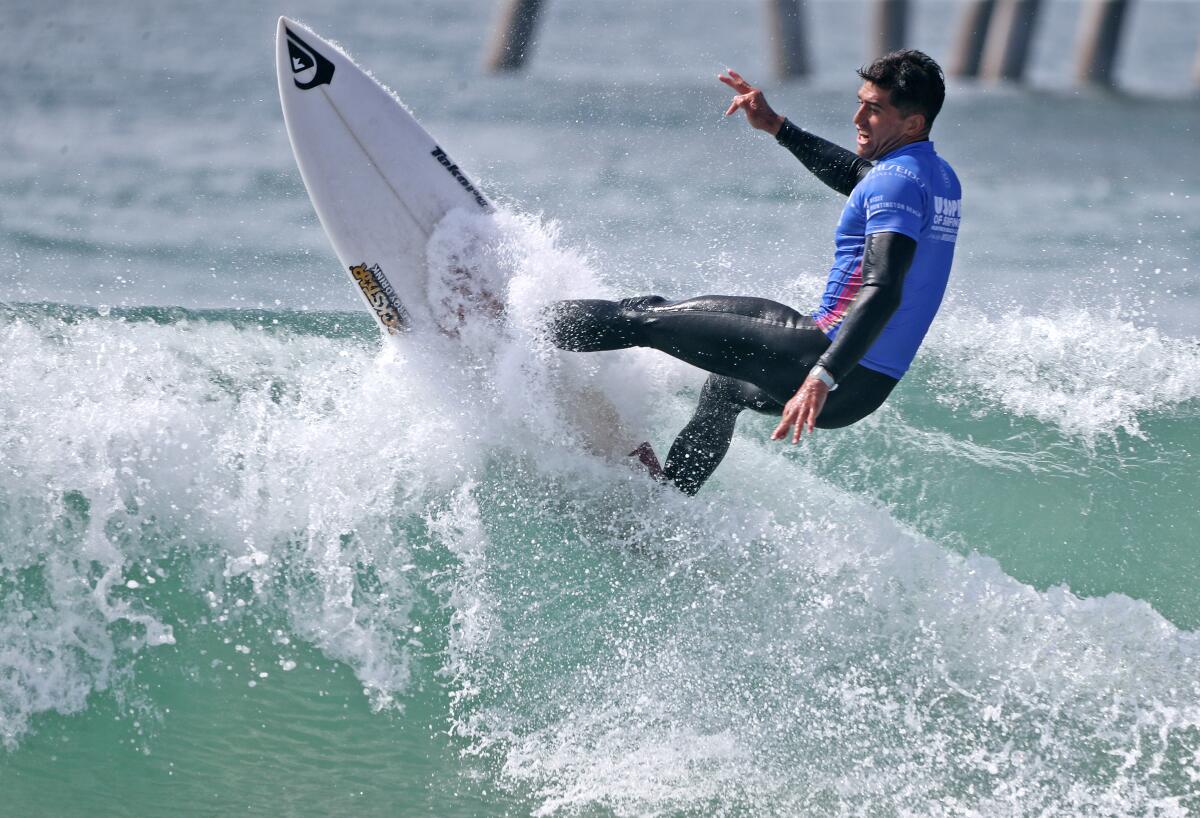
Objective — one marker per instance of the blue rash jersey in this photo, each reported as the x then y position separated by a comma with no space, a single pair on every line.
912,191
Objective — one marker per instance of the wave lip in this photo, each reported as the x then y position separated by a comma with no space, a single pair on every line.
1088,375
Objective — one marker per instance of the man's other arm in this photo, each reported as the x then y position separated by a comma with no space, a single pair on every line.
887,258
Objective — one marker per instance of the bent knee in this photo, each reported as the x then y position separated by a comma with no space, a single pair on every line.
632,308
736,395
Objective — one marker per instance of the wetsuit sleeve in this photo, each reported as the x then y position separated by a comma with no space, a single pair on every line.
832,164
886,260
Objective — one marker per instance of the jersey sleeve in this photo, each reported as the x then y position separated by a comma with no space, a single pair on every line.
895,201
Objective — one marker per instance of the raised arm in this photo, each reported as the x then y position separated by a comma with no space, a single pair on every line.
832,164
835,166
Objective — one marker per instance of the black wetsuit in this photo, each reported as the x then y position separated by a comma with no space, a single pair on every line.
758,351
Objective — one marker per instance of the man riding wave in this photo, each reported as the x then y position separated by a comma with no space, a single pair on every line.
894,248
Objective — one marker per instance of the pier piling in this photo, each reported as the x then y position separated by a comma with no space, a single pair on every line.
889,31
1009,36
1100,35
514,35
789,39
1196,67
972,34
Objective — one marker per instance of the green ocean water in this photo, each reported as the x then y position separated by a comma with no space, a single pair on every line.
255,560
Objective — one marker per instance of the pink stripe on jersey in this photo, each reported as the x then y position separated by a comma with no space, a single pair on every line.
830,316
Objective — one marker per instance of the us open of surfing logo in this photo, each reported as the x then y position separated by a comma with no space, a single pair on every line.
380,296
305,60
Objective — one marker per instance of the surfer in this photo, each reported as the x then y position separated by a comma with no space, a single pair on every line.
894,247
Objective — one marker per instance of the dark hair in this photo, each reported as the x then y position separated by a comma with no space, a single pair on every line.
914,81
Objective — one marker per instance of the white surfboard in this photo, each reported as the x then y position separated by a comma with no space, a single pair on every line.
380,185
378,181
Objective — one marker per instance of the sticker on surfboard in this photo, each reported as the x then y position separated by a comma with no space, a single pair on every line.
306,59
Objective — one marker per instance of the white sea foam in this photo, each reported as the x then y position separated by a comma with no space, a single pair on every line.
792,650
125,443
290,460
549,399
770,647
1087,374
819,659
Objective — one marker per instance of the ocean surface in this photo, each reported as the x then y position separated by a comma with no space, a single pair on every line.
254,560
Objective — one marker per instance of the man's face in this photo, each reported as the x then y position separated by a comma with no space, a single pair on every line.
881,126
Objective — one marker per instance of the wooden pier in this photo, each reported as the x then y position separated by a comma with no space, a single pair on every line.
993,41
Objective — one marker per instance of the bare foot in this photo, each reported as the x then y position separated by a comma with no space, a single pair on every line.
646,456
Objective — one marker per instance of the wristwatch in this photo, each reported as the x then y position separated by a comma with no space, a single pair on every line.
822,374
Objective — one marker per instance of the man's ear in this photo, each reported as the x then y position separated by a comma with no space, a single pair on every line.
914,125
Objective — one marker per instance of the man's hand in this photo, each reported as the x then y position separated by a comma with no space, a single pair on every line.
802,410
759,114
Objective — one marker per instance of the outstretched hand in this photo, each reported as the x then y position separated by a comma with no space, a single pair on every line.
759,114
802,410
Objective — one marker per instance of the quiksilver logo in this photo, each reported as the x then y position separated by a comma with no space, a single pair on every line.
441,156
305,60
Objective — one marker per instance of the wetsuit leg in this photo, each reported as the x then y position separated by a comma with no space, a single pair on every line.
763,347
700,447
762,342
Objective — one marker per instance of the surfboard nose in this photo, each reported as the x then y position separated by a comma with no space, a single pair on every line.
309,59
